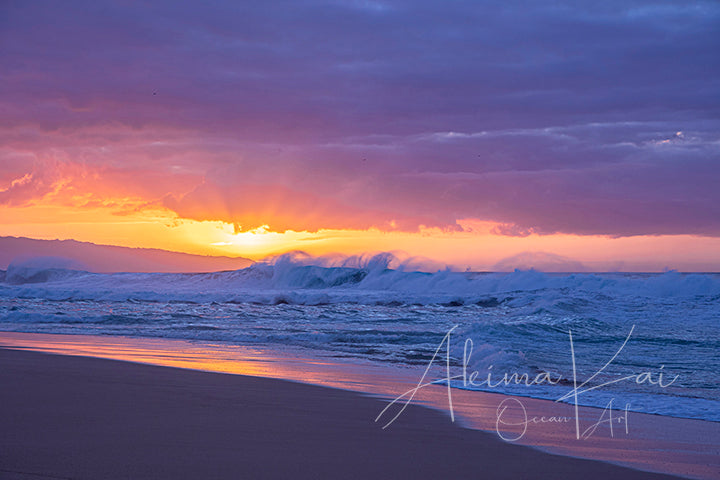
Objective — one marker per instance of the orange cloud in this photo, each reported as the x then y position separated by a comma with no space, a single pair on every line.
280,208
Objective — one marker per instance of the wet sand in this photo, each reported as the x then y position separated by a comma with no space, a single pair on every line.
90,418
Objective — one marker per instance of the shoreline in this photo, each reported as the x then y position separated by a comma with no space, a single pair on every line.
666,444
81,417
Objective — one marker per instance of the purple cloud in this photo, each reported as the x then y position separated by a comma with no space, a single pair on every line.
559,117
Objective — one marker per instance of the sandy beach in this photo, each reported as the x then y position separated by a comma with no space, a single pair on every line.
79,417
359,239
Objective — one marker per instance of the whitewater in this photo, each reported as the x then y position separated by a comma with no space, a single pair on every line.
374,309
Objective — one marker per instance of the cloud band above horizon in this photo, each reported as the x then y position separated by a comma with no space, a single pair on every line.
574,118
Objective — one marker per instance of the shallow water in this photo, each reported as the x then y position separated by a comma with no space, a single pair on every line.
518,323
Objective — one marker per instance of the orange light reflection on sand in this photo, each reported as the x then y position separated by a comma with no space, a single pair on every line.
655,443
239,360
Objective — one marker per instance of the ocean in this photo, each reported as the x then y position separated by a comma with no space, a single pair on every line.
646,342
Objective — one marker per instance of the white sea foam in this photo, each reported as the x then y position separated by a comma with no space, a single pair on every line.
294,279
380,308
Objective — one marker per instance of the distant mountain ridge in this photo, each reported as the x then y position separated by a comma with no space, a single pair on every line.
110,258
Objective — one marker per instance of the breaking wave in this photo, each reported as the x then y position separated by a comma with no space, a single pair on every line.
304,280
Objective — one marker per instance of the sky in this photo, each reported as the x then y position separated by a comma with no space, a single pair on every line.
477,134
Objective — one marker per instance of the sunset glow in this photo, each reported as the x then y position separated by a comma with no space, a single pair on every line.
311,218
233,140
